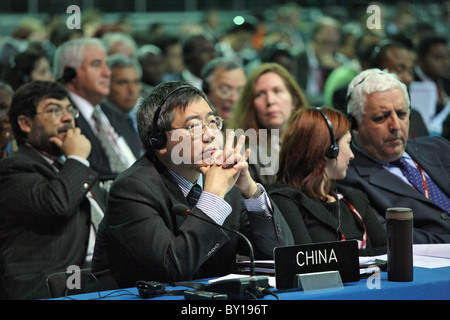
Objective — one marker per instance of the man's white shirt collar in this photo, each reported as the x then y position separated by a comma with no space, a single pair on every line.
86,108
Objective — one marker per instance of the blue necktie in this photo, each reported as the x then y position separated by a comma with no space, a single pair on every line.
415,178
194,195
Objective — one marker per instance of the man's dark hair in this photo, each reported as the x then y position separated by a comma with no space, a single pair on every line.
26,100
426,43
178,100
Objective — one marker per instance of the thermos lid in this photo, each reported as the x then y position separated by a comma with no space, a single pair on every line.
399,213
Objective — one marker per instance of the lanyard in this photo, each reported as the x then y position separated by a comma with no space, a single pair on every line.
352,208
424,181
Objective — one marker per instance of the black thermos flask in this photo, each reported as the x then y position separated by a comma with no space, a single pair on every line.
399,228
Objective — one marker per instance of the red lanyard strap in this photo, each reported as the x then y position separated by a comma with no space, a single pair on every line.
352,208
424,181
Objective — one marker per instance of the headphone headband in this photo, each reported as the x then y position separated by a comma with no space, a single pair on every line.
333,150
158,139
158,110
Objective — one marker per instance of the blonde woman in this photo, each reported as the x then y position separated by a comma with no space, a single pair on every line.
265,103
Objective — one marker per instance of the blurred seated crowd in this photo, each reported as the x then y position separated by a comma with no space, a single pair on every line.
323,52
93,81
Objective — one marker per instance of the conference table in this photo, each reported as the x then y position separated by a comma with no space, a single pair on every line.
428,284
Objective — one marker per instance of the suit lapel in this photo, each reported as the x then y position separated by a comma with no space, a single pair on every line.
376,175
98,159
121,126
99,196
29,152
317,209
432,168
175,194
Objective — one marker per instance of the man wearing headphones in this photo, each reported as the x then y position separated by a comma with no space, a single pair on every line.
81,64
392,170
143,237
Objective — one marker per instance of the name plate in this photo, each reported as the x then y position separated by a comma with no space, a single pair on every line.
342,256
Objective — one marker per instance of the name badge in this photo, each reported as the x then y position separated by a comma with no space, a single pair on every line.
342,256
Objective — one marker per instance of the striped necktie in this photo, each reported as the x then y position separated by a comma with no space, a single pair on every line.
115,161
194,195
414,176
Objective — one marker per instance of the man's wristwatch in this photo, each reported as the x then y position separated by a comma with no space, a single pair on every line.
257,193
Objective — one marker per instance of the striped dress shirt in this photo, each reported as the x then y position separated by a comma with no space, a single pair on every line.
217,208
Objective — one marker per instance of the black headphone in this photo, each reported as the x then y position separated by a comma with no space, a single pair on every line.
350,117
333,149
158,138
205,86
68,75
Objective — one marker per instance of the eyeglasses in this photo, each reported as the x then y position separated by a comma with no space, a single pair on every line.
227,92
215,123
59,112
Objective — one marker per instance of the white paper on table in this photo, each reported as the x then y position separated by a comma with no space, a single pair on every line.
439,250
424,256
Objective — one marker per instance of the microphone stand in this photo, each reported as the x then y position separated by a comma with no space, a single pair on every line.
255,286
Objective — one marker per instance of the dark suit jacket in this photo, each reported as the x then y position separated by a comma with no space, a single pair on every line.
124,128
44,221
431,223
140,237
312,222
98,158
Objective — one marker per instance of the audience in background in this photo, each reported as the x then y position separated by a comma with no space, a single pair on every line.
125,92
150,58
277,52
433,69
236,43
318,59
173,64
7,142
27,66
335,88
223,80
198,50
119,43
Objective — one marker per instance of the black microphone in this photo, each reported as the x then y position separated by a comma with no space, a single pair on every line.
182,210
235,288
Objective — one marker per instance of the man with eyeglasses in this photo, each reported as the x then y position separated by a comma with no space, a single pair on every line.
48,193
223,80
143,238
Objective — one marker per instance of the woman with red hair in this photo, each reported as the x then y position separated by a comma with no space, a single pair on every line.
314,154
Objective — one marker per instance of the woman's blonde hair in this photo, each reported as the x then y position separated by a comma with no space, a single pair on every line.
244,116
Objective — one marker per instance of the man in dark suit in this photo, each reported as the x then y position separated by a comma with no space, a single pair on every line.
125,92
82,65
45,216
142,237
385,159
